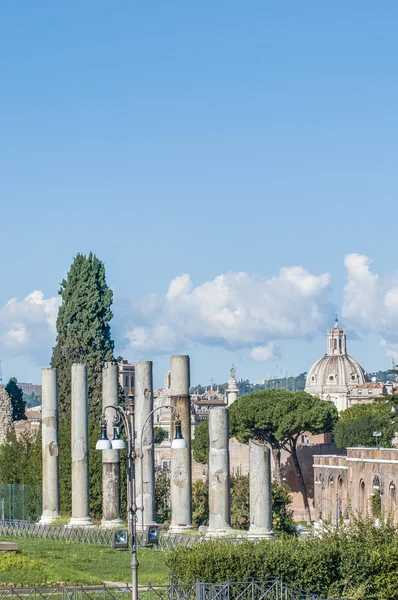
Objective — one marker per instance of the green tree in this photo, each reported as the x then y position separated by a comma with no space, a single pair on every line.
21,459
356,425
279,418
18,403
159,434
83,330
200,443
200,503
162,496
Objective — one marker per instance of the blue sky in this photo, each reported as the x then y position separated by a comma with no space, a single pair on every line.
202,139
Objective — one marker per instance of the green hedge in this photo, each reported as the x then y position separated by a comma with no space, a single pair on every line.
360,562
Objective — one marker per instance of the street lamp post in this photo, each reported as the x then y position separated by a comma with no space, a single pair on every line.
126,416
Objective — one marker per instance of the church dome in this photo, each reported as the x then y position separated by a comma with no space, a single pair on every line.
334,375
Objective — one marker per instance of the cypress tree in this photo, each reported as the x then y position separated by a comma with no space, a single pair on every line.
18,403
83,336
83,330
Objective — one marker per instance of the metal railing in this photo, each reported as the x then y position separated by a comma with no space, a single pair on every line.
20,501
93,535
270,589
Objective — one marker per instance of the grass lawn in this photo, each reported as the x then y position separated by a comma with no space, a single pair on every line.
45,562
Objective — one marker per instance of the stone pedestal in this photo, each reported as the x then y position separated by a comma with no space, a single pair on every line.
80,473
50,449
145,462
219,488
260,492
110,458
181,458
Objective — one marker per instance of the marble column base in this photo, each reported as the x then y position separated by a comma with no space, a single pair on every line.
258,533
80,522
114,524
213,533
48,517
174,529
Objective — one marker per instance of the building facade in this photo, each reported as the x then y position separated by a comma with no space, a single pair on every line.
361,483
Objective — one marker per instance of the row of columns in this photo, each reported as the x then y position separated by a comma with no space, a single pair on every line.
181,464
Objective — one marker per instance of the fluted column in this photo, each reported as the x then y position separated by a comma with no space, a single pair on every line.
50,449
80,472
145,462
219,488
110,458
181,458
260,491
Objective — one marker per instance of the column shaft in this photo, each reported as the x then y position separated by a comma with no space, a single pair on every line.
219,484
50,449
80,471
145,462
110,458
181,458
260,491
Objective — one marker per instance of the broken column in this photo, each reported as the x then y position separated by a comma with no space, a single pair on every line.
181,462
110,458
219,492
80,473
50,450
145,464
260,491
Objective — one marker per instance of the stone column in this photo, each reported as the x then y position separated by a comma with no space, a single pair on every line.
50,450
232,390
80,474
219,492
145,462
181,459
110,458
260,491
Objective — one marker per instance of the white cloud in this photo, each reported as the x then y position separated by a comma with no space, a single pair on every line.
370,303
264,353
234,310
28,325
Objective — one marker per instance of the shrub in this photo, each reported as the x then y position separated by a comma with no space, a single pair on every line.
359,561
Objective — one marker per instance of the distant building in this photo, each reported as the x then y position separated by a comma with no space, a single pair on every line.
346,485
126,377
30,388
334,376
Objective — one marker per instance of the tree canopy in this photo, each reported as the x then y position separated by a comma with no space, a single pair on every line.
18,403
83,330
200,443
356,425
279,418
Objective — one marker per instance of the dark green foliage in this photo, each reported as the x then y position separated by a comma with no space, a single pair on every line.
18,403
65,467
83,330
200,443
360,562
159,434
20,459
162,496
200,503
357,423
240,507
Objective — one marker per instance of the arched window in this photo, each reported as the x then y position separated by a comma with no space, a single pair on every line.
362,504
393,492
